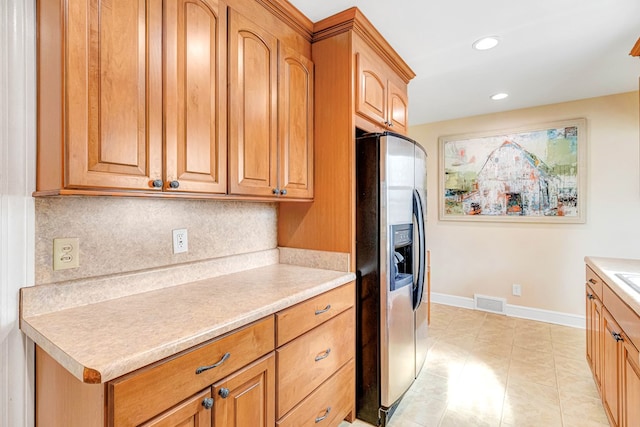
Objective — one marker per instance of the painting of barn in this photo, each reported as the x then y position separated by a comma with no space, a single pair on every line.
529,174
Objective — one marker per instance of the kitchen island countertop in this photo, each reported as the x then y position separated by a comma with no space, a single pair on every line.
101,341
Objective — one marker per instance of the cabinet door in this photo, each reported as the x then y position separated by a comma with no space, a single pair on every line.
253,66
295,109
195,96
114,93
611,359
193,412
630,385
594,333
247,398
371,92
398,108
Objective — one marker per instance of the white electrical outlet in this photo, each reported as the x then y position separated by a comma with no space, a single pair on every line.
66,253
180,241
517,290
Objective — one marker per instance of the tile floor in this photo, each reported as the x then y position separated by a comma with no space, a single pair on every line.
490,370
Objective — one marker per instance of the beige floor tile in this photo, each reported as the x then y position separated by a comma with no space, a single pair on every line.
496,334
574,351
534,341
525,356
584,407
460,418
422,412
538,374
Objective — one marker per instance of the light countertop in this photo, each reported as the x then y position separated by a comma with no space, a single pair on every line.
607,268
104,340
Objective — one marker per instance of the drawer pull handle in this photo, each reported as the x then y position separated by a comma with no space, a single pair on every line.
326,414
324,310
592,281
323,355
215,365
616,336
207,403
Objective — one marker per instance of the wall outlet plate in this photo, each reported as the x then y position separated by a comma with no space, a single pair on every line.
66,253
180,241
517,290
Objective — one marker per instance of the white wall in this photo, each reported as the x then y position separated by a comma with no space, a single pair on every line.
546,259
17,181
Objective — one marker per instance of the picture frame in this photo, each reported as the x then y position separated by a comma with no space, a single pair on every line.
528,174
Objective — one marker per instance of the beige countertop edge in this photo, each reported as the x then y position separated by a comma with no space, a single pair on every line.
607,268
82,341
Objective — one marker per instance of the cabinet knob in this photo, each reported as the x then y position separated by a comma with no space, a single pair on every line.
156,183
276,190
590,296
174,184
207,403
283,192
616,336
224,392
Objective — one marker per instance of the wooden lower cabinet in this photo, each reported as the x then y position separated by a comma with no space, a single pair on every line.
594,334
315,361
612,352
237,380
611,356
630,384
192,412
246,398
327,405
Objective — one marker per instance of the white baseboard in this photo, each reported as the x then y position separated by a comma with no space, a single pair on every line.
541,315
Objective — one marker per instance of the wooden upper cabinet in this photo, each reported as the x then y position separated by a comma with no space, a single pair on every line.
173,96
270,114
398,108
195,96
113,79
381,97
371,95
253,74
295,111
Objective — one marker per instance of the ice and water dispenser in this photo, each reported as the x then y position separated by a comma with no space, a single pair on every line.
401,256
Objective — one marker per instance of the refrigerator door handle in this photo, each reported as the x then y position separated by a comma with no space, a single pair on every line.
417,212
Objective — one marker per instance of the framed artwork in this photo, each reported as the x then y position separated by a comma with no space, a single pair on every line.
532,174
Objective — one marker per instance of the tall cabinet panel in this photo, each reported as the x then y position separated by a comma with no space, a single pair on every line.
114,87
358,76
253,67
195,96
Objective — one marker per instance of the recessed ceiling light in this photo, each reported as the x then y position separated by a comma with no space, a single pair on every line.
486,43
499,96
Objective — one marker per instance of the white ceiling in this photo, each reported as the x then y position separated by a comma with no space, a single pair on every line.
551,50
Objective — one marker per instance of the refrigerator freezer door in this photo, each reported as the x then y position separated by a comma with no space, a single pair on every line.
422,311
397,344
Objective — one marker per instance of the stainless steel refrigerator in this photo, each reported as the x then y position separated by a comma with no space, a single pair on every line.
391,271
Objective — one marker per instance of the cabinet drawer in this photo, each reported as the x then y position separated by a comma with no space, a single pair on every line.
138,396
306,362
334,398
594,282
305,316
628,320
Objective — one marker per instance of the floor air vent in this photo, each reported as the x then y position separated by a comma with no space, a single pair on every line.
490,304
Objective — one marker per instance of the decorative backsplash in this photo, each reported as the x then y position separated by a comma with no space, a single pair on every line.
118,235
